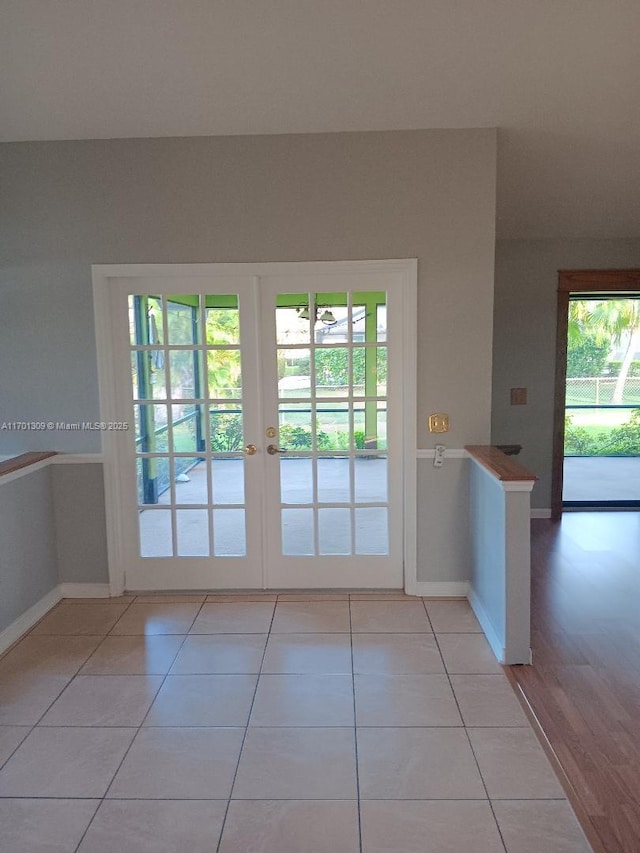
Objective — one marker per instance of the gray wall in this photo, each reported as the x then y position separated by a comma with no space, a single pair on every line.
443,520
424,194
524,338
52,530
28,569
81,541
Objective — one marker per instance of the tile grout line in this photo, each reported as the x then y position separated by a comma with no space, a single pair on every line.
464,725
246,730
355,729
138,728
269,633
28,633
13,752
61,603
303,726
295,799
475,758
74,676
108,634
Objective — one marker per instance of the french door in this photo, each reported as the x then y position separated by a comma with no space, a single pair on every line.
257,415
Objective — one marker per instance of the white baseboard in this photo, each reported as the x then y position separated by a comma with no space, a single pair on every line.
85,590
441,589
485,623
540,513
29,618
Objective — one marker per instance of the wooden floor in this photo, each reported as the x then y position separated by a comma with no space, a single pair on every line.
584,685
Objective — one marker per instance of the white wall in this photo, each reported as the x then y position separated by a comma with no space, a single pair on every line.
424,194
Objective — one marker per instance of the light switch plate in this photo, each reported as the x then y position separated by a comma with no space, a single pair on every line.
438,459
439,422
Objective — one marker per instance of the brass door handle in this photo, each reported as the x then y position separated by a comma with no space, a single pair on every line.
272,450
250,450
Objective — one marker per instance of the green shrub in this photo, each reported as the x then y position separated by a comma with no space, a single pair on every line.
623,440
577,440
588,357
295,437
226,433
300,438
226,436
612,368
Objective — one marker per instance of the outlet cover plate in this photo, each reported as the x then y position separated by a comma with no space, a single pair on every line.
439,422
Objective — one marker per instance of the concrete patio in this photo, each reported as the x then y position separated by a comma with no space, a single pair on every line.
370,526
601,478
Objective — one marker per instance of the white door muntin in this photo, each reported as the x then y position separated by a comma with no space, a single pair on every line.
256,284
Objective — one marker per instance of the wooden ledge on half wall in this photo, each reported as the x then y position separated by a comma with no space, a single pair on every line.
503,467
24,460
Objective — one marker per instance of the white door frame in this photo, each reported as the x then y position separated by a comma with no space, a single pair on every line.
102,275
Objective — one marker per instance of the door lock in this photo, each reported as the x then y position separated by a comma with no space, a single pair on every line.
271,432
272,450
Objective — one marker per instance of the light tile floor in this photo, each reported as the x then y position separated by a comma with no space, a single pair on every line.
269,724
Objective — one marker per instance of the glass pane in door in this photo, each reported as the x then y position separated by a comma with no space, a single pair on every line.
192,527
372,526
334,531
334,479
297,532
156,535
332,423
186,359
293,322
296,479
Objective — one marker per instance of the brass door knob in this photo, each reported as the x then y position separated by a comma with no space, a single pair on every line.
250,450
272,450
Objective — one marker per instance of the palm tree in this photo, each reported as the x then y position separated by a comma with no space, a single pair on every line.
617,320
579,312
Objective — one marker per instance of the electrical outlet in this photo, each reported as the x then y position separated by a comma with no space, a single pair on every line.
438,459
439,422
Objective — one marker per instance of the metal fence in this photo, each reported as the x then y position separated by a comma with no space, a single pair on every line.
598,391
